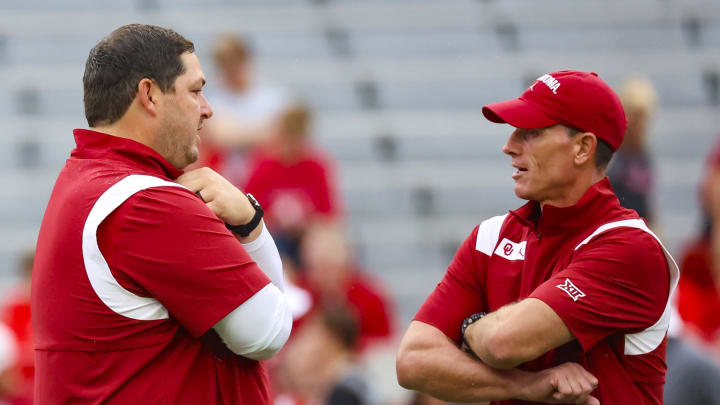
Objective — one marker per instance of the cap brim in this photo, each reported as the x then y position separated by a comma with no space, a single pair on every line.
518,113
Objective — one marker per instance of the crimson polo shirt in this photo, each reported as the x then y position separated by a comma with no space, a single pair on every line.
595,264
304,188
131,272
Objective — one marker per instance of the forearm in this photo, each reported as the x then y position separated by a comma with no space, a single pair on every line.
262,249
439,368
517,333
259,327
493,347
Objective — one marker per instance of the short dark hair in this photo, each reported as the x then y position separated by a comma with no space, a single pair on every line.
121,60
603,151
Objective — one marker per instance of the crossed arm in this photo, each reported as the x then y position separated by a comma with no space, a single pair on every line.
267,311
517,333
429,361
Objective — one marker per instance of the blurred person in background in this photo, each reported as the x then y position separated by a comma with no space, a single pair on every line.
699,287
631,171
11,384
420,398
246,107
321,366
294,180
332,278
15,313
692,377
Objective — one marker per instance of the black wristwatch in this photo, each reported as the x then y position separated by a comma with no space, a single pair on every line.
245,230
467,322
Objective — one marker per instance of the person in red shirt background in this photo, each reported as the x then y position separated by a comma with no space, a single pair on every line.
294,180
246,107
332,278
15,314
698,296
322,365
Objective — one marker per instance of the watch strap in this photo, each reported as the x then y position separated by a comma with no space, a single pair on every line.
246,229
467,322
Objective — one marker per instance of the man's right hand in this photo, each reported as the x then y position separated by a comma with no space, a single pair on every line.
568,383
222,197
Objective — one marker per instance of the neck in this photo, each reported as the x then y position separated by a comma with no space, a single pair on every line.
127,130
576,190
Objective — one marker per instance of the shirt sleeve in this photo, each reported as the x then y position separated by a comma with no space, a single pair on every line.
165,243
618,282
459,294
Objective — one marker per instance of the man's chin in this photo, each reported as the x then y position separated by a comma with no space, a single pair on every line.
192,157
522,193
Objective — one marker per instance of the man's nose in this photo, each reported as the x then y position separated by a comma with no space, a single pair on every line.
510,146
205,109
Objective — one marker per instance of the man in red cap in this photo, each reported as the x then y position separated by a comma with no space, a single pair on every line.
564,300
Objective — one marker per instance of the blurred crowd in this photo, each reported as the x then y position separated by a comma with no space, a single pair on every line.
261,139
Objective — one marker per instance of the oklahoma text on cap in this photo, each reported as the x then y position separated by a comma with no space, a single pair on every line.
575,99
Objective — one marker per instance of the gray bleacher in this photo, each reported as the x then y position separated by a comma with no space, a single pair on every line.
398,87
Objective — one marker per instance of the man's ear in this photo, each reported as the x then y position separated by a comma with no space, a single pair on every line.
149,95
585,145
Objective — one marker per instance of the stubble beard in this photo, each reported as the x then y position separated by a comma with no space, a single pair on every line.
176,144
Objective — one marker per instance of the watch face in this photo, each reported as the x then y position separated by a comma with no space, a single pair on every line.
252,199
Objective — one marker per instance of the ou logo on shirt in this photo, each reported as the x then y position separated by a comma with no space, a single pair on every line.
511,250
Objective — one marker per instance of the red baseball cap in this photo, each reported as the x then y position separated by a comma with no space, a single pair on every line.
575,99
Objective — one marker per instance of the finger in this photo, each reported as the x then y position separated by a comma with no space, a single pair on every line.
217,210
575,385
589,381
591,401
591,378
194,183
203,175
564,394
563,398
584,384
581,399
584,379
564,385
208,192
189,175
214,206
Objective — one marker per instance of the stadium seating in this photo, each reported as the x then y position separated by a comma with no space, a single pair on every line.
398,87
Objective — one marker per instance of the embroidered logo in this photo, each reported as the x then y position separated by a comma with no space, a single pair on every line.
571,289
507,249
549,81
511,250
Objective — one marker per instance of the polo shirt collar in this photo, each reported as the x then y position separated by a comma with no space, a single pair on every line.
98,145
598,202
